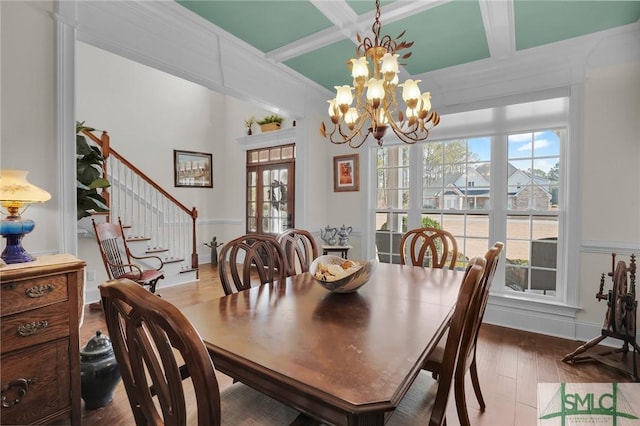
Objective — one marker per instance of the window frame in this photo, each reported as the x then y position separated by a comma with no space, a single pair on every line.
565,303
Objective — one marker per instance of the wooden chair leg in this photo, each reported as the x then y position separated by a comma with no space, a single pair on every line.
476,384
153,284
461,401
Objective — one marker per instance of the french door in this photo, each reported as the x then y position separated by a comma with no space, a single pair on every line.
270,190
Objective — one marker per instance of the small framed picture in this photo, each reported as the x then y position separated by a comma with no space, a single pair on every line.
346,173
192,169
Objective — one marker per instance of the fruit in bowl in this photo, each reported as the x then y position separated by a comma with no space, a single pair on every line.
340,275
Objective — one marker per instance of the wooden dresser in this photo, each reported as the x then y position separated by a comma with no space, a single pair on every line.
41,304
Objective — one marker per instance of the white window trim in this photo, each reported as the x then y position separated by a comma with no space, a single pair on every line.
549,316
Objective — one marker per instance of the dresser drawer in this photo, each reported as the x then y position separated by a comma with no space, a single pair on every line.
18,296
35,383
34,327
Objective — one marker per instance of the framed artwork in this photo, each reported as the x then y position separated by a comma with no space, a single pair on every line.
192,169
346,173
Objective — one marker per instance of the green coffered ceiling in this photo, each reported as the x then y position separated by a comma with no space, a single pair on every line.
316,38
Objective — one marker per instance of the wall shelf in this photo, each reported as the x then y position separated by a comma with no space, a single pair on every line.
262,140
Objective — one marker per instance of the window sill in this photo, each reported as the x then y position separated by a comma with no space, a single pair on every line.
544,317
552,307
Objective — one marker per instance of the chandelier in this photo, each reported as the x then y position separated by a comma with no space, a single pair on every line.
375,96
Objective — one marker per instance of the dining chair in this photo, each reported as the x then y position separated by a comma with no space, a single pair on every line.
300,249
468,358
164,362
416,407
432,247
118,259
249,260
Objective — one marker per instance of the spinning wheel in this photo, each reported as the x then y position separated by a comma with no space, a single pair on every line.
619,322
618,298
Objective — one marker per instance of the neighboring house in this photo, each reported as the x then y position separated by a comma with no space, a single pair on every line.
526,192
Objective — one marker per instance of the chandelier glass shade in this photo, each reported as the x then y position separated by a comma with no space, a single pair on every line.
375,96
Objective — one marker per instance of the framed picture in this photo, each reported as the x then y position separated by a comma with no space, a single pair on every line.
192,169
346,173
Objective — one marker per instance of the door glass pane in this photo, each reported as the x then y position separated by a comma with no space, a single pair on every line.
252,209
288,152
251,225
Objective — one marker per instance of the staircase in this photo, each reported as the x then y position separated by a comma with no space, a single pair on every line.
155,222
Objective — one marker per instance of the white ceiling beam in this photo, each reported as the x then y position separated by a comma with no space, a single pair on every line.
337,12
347,23
498,20
403,9
308,44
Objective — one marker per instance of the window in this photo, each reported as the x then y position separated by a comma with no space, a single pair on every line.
392,201
500,182
457,182
270,189
533,165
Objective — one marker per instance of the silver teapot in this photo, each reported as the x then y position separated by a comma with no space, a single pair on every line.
343,235
328,235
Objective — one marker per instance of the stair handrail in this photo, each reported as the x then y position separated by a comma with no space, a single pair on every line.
104,142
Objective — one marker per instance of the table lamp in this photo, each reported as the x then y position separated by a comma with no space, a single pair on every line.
15,193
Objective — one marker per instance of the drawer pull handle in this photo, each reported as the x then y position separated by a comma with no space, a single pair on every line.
16,390
32,328
39,290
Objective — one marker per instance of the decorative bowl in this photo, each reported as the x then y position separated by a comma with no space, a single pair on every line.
348,283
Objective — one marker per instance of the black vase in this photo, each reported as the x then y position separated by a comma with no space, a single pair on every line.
99,372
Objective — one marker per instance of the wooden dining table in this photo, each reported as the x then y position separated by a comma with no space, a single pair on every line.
342,359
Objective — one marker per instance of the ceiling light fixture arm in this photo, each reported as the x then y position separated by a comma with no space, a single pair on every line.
375,95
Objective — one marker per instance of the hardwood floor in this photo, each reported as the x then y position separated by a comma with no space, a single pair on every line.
511,363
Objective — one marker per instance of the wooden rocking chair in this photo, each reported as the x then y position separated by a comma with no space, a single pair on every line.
117,257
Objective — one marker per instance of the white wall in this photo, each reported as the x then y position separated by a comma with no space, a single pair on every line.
27,132
148,114
610,177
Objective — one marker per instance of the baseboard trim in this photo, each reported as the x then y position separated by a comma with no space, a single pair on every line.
529,320
93,294
548,323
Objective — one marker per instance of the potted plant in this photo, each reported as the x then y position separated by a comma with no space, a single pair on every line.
89,170
270,122
248,123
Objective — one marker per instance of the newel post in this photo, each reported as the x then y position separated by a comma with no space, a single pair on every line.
194,254
106,149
